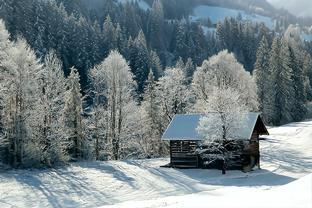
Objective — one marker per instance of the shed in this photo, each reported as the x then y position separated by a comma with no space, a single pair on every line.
184,139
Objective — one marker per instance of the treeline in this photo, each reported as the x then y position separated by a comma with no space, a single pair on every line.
283,73
82,37
43,122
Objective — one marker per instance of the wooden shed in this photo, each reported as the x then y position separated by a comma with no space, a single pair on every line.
184,141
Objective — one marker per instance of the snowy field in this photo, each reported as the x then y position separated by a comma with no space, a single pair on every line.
219,13
286,157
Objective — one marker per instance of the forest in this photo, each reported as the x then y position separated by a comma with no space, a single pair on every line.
77,83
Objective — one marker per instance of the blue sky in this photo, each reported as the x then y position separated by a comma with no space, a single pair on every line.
297,7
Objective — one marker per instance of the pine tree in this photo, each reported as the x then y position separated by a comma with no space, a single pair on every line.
270,107
139,61
307,70
285,94
155,65
109,34
72,116
298,109
150,119
189,69
180,63
156,25
261,71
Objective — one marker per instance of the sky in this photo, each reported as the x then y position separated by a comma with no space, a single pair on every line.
297,7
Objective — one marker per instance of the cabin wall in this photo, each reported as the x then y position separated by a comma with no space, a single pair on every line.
182,154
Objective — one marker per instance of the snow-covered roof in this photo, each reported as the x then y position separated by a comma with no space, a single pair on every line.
184,127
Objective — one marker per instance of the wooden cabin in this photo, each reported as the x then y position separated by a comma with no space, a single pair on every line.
185,142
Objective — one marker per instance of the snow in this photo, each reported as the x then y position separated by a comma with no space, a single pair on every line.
285,157
208,30
217,14
184,127
142,4
297,194
306,37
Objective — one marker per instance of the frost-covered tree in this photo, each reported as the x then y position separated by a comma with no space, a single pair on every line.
20,95
173,94
225,114
52,87
151,121
74,127
117,78
224,71
189,69
155,65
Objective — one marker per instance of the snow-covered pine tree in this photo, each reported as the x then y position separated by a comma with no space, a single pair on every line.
152,128
189,70
307,71
155,26
298,80
139,61
285,93
270,111
180,63
261,70
109,34
155,65
72,115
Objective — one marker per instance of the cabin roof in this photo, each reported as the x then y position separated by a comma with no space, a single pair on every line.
183,127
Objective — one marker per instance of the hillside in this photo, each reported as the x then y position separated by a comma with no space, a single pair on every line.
285,157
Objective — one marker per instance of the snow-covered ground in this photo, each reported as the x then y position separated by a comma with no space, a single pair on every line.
219,13
286,157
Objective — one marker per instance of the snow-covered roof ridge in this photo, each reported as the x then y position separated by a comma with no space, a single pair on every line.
184,127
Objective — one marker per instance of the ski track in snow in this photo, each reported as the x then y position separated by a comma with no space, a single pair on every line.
285,156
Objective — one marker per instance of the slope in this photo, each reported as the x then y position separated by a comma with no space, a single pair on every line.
286,156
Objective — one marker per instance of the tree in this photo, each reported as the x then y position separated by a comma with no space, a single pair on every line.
155,65
270,110
20,95
173,94
151,121
156,25
284,86
109,34
139,60
52,87
74,127
117,78
261,71
223,70
225,112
